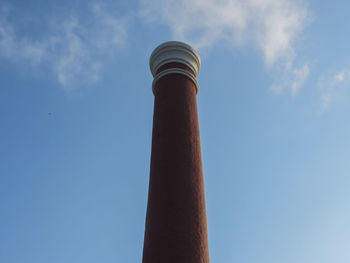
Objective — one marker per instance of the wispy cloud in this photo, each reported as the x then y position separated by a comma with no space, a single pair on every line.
15,48
299,77
271,26
340,76
76,48
290,79
331,87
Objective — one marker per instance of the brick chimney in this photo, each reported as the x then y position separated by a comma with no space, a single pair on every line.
176,224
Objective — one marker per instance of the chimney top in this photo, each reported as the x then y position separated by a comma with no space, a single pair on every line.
174,51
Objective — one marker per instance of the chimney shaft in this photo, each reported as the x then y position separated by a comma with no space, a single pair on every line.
176,225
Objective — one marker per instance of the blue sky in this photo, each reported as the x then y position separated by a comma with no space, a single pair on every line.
76,119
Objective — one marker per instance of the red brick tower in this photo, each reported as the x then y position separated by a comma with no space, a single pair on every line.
176,224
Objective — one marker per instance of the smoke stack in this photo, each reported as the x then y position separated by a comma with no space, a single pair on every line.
176,224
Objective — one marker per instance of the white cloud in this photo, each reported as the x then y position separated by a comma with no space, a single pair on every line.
75,48
271,25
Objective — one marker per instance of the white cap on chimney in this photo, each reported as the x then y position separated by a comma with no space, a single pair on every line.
174,51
